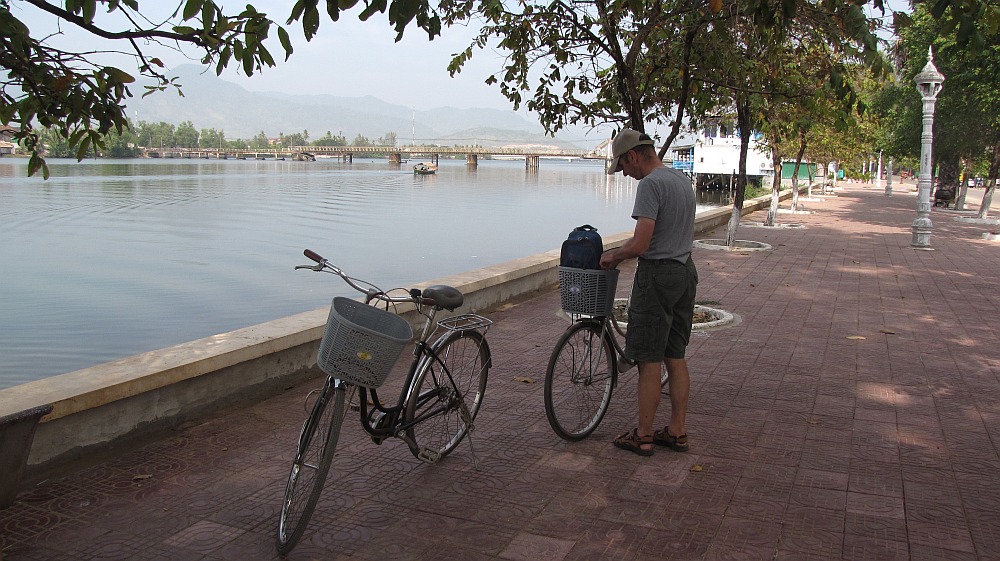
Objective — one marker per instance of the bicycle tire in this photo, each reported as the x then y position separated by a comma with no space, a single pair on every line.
313,456
466,355
579,380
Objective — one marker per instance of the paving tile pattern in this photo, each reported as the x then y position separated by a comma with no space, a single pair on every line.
852,413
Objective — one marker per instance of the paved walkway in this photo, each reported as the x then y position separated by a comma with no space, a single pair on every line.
852,413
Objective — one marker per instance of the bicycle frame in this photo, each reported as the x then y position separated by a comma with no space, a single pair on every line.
609,327
393,427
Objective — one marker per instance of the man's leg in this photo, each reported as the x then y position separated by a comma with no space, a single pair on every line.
649,395
680,387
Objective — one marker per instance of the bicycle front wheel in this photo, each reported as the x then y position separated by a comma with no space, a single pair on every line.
447,393
579,380
317,444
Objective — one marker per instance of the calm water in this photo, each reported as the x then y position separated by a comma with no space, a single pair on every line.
111,258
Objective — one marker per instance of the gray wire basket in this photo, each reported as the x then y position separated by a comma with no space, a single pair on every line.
587,291
361,343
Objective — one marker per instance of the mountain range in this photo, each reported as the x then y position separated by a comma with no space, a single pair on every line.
209,102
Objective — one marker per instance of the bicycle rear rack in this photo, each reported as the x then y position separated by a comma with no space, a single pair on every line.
464,322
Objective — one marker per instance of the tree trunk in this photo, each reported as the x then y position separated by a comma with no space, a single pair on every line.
991,183
772,212
878,172
795,174
963,188
743,120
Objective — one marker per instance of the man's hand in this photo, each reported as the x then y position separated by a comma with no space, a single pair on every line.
608,260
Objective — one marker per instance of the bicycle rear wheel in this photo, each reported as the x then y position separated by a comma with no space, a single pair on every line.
316,447
579,380
447,393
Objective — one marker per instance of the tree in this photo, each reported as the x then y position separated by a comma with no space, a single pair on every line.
155,135
295,139
186,136
607,61
121,145
329,140
389,139
260,142
82,100
211,138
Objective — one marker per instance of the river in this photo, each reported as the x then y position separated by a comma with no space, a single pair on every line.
110,258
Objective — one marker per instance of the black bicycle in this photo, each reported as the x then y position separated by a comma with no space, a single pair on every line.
441,395
587,360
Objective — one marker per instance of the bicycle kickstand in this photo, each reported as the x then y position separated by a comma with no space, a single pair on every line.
467,418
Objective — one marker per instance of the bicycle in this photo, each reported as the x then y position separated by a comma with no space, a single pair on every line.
585,364
441,396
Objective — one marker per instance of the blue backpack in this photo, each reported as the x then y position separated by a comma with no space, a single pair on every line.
583,248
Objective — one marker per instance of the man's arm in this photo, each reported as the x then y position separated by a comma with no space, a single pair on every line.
634,247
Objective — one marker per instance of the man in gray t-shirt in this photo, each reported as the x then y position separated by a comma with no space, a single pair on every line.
661,310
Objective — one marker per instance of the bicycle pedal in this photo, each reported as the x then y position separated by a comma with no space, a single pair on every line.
429,456
378,439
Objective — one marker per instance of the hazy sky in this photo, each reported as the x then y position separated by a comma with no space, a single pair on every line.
346,58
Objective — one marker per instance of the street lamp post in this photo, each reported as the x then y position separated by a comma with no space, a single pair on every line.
929,83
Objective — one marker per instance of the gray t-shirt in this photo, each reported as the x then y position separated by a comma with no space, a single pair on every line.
667,196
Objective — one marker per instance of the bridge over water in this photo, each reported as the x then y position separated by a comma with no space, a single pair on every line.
531,154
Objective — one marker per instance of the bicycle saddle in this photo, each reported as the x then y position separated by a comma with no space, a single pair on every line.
445,297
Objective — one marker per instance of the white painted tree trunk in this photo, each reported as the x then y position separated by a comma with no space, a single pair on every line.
734,224
984,208
772,212
878,173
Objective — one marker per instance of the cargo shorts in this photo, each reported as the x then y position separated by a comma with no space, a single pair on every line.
661,310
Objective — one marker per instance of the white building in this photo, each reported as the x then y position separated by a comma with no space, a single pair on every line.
712,156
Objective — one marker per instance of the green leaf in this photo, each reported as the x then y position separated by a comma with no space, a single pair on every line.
286,43
89,9
192,8
208,16
310,23
82,148
119,76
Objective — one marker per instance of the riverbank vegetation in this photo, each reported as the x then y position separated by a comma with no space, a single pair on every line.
136,138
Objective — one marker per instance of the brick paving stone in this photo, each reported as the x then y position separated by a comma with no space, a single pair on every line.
850,414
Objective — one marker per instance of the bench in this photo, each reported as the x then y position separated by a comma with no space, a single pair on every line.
944,196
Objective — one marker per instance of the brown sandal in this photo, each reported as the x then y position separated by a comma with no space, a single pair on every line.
632,442
675,443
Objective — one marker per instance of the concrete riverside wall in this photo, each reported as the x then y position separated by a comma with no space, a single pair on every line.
122,401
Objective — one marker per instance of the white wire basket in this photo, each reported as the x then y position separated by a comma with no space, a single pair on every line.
361,343
587,291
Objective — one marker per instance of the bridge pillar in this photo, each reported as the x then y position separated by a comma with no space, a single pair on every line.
531,162
396,158
472,160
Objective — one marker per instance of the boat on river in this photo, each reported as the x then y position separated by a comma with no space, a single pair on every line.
424,168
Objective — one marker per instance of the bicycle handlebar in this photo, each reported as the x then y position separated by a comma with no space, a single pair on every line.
371,292
314,256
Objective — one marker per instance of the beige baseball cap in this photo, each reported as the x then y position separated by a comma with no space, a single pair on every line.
625,141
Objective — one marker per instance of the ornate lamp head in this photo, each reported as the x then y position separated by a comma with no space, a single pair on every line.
929,80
